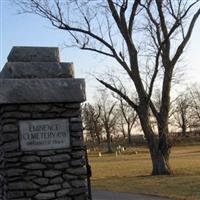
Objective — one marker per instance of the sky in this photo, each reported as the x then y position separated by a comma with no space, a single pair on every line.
32,30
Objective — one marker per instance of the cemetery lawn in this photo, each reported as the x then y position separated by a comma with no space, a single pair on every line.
129,172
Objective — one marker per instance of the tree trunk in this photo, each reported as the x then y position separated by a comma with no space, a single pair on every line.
98,139
183,129
123,132
109,141
160,163
158,146
129,137
92,136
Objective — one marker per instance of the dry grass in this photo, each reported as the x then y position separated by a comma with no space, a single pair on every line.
130,173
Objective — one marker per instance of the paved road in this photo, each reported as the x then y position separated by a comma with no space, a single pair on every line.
106,195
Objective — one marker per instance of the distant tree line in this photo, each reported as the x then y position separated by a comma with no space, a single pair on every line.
108,118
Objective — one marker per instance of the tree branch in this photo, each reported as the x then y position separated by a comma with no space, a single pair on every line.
132,16
126,98
186,39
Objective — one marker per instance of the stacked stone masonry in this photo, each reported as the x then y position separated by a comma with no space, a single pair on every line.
42,175
57,174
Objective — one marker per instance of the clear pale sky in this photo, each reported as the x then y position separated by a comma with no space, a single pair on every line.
31,30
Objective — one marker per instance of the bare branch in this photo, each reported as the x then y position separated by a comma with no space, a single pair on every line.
132,16
126,98
186,39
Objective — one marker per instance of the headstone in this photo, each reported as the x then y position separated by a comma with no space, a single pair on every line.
41,141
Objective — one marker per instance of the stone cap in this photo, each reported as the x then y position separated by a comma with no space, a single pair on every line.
35,75
34,54
37,70
16,91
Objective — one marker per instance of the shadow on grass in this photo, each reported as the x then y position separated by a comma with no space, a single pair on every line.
179,187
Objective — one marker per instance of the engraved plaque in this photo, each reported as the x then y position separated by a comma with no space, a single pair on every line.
44,134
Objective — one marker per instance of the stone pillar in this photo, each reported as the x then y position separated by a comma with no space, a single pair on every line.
41,139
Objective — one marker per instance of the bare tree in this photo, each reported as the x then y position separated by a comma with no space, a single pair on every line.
92,121
182,114
195,106
142,36
127,120
108,117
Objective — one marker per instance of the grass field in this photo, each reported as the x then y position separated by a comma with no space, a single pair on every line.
129,172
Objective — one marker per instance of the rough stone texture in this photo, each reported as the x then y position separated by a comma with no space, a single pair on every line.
58,174
38,175
37,70
45,196
41,90
34,54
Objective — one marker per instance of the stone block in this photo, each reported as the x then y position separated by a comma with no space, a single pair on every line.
56,180
13,154
64,165
55,109
37,173
62,192
77,171
40,70
9,128
76,119
34,54
34,107
72,105
9,121
37,115
77,134
35,166
29,178
66,184
10,160
41,181
13,165
11,146
77,191
50,188
56,158
22,185
8,108
76,127
51,173
70,177
78,183
15,194
70,113
8,137
41,90
45,196
77,154
77,163
46,153
30,159
15,115
65,151
76,143
31,193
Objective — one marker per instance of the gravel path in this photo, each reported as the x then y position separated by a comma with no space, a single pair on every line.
107,195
